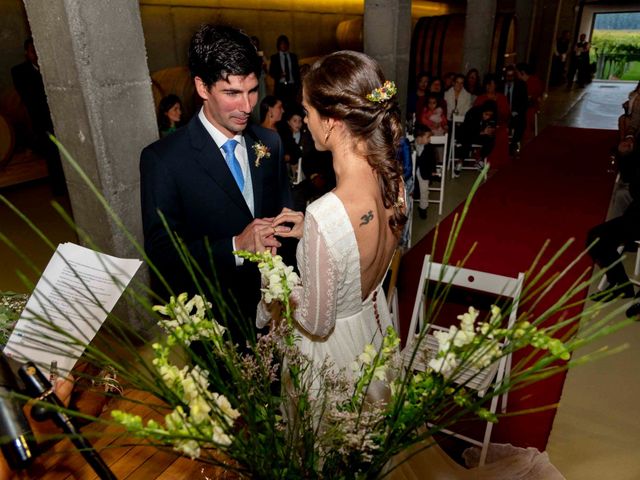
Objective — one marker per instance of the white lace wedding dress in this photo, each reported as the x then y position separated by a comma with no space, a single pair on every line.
334,322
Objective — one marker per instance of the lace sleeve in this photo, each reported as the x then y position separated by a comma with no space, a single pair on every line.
315,299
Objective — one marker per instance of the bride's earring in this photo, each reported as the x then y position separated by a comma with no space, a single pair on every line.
328,134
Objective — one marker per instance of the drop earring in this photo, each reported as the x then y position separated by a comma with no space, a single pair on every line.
328,134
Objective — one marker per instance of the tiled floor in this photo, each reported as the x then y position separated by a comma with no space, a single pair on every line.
597,429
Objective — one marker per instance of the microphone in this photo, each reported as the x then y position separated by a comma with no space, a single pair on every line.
39,387
16,439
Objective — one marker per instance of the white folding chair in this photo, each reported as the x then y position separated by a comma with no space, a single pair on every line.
439,140
466,163
636,269
392,290
299,173
508,288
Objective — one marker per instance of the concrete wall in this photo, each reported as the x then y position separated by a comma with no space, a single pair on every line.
168,26
168,29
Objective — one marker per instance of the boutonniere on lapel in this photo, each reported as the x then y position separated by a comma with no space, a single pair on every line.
261,151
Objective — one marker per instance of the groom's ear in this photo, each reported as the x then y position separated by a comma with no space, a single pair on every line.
201,88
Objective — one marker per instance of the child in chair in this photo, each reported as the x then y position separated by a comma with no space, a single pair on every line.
425,165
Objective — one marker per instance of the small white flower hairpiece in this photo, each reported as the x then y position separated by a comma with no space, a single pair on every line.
261,151
383,93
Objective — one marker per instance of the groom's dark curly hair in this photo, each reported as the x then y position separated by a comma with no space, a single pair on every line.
217,51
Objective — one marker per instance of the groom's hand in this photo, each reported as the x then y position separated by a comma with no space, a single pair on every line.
258,236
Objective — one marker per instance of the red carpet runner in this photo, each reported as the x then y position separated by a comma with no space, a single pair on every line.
557,190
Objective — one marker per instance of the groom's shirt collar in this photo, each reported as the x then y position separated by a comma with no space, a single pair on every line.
218,137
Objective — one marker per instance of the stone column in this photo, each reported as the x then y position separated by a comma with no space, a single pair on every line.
94,67
478,34
387,38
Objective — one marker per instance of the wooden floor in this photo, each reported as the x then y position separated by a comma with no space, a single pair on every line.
126,461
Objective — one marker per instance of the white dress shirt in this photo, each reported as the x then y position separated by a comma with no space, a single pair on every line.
241,154
284,58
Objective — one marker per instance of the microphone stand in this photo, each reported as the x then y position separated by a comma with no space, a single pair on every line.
39,387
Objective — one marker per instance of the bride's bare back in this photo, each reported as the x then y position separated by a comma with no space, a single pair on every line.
370,222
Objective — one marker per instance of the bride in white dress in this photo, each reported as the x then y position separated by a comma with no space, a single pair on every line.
349,235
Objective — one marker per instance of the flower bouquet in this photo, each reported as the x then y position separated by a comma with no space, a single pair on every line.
265,410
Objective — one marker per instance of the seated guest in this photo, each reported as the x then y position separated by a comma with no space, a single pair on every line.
472,82
500,154
319,176
630,106
535,92
621,198
291,132
426,162
169,114
433,116
436,87
459,101
448,80
619,231
516,92
271,111
416,98
479,128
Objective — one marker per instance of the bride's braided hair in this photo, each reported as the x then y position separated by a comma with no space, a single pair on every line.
337,86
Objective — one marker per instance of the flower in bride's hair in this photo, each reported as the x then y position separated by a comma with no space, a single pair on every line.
381,94
261,151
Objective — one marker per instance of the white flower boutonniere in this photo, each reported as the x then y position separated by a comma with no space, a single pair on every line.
261,151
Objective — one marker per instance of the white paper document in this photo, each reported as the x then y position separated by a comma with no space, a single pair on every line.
77,290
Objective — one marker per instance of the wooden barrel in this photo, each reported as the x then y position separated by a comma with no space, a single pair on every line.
437,44
504,37
349,34
7,142
178,81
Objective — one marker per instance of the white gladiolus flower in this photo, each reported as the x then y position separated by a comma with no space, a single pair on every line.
188,447
225,407
199,410
444,364
219,437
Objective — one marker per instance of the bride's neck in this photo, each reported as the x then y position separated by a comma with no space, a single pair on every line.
350,166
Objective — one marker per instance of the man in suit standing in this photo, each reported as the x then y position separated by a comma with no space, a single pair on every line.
27,80
218,181
285,72
516,92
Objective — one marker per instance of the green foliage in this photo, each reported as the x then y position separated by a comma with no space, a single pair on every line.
614,51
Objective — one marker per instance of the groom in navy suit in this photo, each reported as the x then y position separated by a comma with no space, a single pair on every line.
218,181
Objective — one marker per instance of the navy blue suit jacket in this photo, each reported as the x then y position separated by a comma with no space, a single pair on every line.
185,176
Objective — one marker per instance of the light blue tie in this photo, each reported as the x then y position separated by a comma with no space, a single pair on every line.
232,162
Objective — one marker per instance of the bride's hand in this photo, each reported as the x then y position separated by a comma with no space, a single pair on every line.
289,223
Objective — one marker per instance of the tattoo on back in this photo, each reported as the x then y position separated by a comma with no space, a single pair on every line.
366,218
